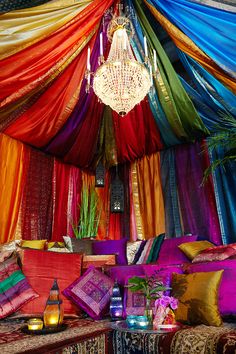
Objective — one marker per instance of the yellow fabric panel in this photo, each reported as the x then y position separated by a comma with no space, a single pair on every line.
198,297
20,29
192,249
150,195
184,43
13,164
36,244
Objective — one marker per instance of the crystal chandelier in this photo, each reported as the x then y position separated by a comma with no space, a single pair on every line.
121,81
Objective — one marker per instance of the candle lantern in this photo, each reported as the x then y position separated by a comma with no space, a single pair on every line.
116,303
53,313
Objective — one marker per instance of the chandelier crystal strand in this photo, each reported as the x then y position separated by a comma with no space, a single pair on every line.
121,82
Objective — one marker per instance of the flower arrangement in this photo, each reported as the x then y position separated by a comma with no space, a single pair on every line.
164,314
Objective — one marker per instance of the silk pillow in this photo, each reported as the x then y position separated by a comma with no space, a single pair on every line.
198,297
218,253
41,268
35,244
192,249
117,247
91,292
15,290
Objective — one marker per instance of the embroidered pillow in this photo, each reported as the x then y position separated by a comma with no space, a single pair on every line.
91,292
41,268
117,247
131,250
192,249
218,253
198,297
15,290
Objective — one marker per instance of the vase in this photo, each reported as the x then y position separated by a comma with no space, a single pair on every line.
148,311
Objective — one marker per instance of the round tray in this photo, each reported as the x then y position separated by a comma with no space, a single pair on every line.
123,327
44,330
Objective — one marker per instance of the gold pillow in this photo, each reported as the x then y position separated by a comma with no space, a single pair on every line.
198,297
191,249
55,244
36,244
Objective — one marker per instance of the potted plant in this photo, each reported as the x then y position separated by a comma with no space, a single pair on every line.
151,287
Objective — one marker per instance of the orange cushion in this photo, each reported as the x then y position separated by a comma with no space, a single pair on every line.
41,268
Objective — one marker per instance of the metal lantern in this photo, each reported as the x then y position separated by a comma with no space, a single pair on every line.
53,313
117,196
100,175
116,303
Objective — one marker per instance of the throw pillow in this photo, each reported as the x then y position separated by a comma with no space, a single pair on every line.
35,244
117,247
192,249
15,290
131,250
198,297
170,254
217,253
91,292
151,250
82,245
41,268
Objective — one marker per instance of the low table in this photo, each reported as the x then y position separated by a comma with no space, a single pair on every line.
200,339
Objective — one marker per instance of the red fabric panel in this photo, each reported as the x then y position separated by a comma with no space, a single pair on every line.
136,133
60,182
41,268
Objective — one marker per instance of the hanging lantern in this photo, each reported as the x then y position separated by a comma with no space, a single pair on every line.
117,196
53,313
100,175
116,304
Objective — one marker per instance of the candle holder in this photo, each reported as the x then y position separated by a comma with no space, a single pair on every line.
35,324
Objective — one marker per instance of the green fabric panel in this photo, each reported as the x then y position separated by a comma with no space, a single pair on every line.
176,104
11,281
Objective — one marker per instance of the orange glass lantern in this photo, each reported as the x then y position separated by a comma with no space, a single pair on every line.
53,313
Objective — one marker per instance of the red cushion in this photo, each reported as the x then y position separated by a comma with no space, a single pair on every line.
41,268
217,253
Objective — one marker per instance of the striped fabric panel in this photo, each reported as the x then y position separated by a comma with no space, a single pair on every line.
15,290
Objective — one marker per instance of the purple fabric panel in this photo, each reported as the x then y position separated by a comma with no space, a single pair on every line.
91,292
170,254
120,273
8,295
197,202
61,144
117,247
227,289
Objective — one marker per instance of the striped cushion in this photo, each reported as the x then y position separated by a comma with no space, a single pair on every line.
151,250
15,290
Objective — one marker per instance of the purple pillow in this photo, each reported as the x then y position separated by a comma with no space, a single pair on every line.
91,292
117,247
170,253
227,289
119,273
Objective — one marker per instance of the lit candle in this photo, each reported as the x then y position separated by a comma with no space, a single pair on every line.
145,46
88,59
101,44
155,60
35,324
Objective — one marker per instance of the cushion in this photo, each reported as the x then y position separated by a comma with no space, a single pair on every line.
191,249
151,250
36,244
120,272
217,253
170,253
117,247
57,247
91,292
198,297
41,268
15,290
227,290
82,245
98,261
131,250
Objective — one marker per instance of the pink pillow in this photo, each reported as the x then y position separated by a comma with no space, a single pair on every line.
217,253
91,292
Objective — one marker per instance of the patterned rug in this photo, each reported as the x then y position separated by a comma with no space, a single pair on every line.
82,336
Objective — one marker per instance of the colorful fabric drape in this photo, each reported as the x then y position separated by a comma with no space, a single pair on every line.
197,202
185,44
147,186
211,29
16,4
13,167
173,222
37,206
224,179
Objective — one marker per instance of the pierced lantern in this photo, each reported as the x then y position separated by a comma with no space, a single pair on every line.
53,313
100,175
116,304
117,196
